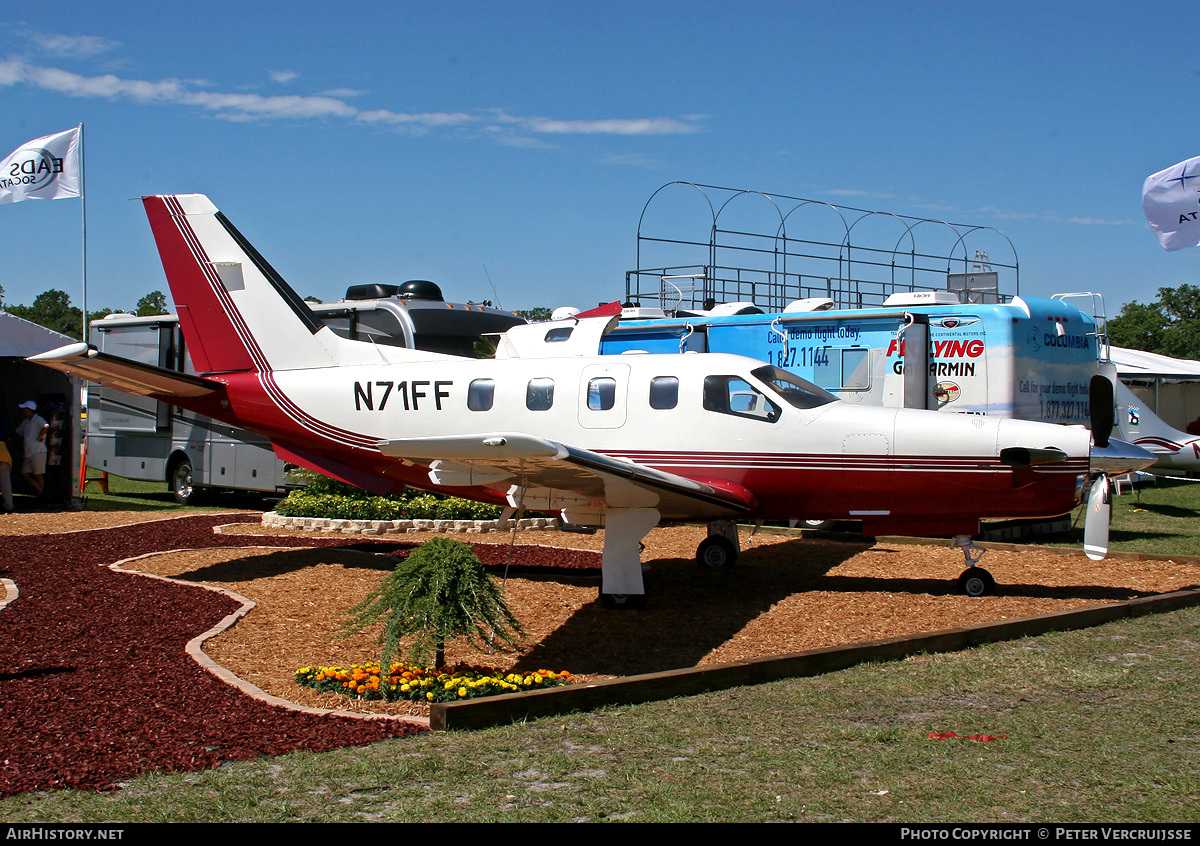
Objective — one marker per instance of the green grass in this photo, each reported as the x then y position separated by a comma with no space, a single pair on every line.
131,495
1102,725
1158,520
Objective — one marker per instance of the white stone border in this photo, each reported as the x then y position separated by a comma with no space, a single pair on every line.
194,646
387,527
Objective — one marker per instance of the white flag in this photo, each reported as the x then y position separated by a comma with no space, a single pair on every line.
43,169
1171,201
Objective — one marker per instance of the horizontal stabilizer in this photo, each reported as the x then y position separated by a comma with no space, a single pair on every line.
549,471
132,377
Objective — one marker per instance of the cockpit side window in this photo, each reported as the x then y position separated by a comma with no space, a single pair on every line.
735,396
792,389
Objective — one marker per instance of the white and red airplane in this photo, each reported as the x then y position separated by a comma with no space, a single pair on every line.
622,442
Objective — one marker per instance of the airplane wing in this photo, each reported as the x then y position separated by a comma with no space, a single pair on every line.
129,376
547,476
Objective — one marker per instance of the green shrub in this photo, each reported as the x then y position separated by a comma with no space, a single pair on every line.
361,505
438,593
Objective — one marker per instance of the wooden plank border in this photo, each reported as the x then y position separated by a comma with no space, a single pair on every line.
515,707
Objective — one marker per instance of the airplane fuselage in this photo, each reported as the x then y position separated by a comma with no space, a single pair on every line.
898,470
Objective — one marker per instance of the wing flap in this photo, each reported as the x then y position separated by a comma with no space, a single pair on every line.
132,377
547,475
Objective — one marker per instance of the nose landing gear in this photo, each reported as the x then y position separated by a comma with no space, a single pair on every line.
974,581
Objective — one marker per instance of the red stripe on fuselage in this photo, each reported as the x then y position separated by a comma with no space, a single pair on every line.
213,343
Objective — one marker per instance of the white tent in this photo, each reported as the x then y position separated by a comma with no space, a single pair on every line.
54,392
1170,387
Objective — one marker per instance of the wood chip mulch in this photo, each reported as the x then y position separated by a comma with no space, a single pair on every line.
83,641
95,684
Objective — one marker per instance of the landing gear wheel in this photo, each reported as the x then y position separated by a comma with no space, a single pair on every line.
716,551
976,581
623,601
181,483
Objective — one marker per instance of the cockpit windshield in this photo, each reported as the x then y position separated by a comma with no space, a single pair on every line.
796,391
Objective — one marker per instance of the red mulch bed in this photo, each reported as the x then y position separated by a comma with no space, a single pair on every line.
95,683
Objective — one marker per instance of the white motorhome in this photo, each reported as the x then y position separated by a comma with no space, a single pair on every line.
141,438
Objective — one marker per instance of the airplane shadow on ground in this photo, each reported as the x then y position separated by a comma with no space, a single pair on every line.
282,560
691,610
1165,510
382,555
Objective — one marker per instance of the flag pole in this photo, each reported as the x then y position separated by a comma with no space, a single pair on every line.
83,208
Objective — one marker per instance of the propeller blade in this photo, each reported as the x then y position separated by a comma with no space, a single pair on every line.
1095,525
1102,408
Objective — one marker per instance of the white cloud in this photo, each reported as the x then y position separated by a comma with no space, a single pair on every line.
72,46
632,160
418,121
855,192
494,123
612,126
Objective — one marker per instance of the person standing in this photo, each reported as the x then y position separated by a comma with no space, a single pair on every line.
33,430
6,500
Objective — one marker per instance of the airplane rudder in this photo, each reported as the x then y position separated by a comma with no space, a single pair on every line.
209,322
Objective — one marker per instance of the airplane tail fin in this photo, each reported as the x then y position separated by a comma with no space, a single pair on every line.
1141,426
236,312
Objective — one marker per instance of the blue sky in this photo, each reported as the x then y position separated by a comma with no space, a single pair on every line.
391,141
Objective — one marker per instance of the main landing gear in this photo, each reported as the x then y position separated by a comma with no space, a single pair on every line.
974,581
623,601
720,548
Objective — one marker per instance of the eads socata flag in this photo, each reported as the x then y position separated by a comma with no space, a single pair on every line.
1171,201
42,169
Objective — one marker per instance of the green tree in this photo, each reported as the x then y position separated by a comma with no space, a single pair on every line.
53,310
538,313
438,593
1170,326
153,303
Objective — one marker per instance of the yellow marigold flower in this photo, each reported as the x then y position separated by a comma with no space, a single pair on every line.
462,691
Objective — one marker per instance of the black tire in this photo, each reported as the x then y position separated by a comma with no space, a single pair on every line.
181,483
623,601
716,551
976,581
816,525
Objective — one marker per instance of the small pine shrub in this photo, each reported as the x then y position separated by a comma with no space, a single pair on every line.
438,593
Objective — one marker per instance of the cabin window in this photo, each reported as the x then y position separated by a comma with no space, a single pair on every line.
664,392
734,395
480,394
539,394
558,333
602,393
